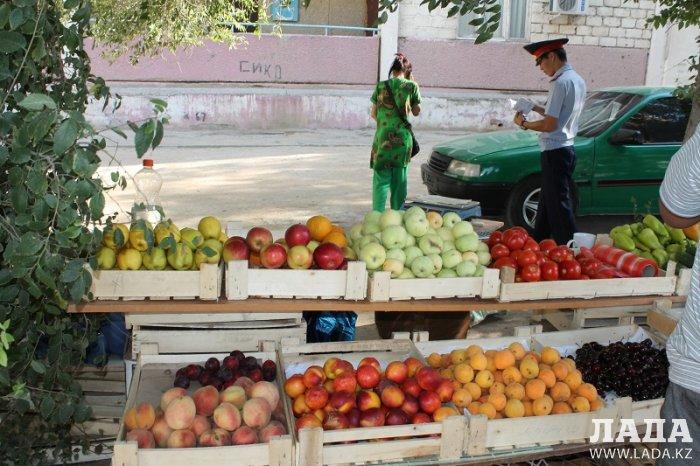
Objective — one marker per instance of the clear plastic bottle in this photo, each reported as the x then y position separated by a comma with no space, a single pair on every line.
147,182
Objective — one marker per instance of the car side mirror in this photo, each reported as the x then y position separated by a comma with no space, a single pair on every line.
624,136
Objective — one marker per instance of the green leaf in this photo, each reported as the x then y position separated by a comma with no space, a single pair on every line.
41,125
44,277
144,138
11,41
70,4
39,49
114,176
158,137
46,406
209,252
65,136
4,14
3,357
51,200
119,132
97,205
37,183
119,239
37,101
483,37
65,411
17,18
30,244
159,102
38,366
71,272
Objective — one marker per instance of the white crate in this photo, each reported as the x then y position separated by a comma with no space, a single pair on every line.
158,284
154,374
235,320
384,288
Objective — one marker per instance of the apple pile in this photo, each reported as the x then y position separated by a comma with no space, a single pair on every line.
336,396
513,382
416,244
299,249
235,368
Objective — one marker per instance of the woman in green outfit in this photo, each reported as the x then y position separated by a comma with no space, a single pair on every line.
391,149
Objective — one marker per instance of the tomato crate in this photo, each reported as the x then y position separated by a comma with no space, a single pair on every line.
384,288
316,447
204,283
154,375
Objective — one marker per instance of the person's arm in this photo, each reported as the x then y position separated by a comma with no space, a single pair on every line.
679,194
555,102
676,221
373,99
546,125
415,110
373,112
415,100
538,109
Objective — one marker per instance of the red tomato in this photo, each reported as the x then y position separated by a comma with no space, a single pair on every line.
547,245
520,230
560,254
585,253
570,270
499,250
550,271
514,239
541,258
531,245
504,262
495,238
590,266
530,273
526,258
515,254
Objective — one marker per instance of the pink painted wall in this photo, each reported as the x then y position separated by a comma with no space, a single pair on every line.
505,65
286,59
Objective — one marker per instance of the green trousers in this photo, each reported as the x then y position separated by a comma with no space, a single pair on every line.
394,180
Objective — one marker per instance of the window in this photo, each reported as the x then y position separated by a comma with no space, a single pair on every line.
662,121
513,16
284,10
602,109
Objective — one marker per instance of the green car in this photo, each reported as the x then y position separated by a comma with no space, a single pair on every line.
626,138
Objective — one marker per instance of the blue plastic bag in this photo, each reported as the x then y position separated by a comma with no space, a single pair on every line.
330,326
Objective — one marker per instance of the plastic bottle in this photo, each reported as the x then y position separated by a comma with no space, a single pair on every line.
147,182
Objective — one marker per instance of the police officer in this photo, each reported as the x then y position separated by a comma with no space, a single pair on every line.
567,92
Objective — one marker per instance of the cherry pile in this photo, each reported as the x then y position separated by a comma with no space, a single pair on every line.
629,369
223,374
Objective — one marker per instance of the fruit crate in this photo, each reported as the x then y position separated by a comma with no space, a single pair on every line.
238,320
243,282
384,288
316,447
562,289
154,375
158,284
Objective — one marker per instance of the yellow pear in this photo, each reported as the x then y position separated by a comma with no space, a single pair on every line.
222,237
180,257
106,258
191,238
164,230
202,257
140,236
115,241
210,227
215,244
154,259
129,259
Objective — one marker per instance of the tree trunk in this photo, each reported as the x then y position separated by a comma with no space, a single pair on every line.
694,119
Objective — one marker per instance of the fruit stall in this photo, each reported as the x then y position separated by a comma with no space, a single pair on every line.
222,362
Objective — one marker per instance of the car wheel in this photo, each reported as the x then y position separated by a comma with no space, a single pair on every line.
521,208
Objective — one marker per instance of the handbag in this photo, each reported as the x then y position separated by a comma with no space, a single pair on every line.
407,124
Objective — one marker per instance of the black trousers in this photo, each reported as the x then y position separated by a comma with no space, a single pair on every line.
555,212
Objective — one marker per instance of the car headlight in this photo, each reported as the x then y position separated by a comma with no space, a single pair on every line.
469,170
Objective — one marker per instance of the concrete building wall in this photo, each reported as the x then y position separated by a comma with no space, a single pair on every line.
333,12
668,56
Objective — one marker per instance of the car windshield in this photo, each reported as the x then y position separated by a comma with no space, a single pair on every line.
602,109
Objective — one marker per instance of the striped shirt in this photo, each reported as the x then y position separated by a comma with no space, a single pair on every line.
680,193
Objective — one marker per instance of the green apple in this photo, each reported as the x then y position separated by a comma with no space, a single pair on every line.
406,273
154,259
434,220
371,228
445,233
448,246
397,254
313,244
482,247
410,240
451,258
462,228
373,255
468,242
366,239
394,266
394,237
372,217
479,271
390,218
466,269
416,225
447,273
449,219
106,258
470,256
422,267
414,211
356,232
349,253
430,244
484,257
437,262
411,253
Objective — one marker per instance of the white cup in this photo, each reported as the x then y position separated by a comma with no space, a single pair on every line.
581,240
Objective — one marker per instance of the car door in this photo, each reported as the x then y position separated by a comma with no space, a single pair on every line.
631,159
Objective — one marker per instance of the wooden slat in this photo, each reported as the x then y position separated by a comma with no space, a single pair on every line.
384,288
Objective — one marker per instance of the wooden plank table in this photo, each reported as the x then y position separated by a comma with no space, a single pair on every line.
268,305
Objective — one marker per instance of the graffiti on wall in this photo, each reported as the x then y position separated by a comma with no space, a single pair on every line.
268,70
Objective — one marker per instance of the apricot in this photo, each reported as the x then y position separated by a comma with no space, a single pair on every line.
597,404
434,360
142,437
182,438
542,406
461,398
548,377
498,400
484,379
473,407
474,389
561,370
498,376
443,412
200,425
206,399
533,355
581,405
535,389
256,412
588,391
544,366
474,349
511,375
180,413
458,356
161,431
529,368
235,395
266,390
527,404
570,363
244,435
497,387
517,349
490,364
574,379
447,373
488,410
170,395
560,392
273,429
478,361
561,407
515,391
503,359
490,353
550,355
514,408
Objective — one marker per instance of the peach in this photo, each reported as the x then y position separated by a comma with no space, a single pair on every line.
368,376
273,429
142,437
411,387
370,361
314,376
342,401
307,421
145,416
367,399
244,435
445,390
181,438
299,406
396,417
429,401
246,383
206,399
354,417
428,378
316,397
215,438
227,417
235,395
336,421
200,425
278,413
330,367
393,397
161,431
374,417
410,405
443,412
412,364
328,385
130,419
421,418
345,382
256,412
180,413
396,371
294,386
170,395
320,414
266,390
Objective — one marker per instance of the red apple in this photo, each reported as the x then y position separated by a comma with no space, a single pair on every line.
273,256
328,256
258,238
235,249
368,376
299,257
297,235
396,417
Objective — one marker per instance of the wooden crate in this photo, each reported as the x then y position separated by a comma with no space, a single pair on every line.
243,282
105,392
237,320
384,288
562,289
316,447
158,284
154,374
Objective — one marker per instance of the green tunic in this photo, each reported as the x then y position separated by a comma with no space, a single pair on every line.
392,141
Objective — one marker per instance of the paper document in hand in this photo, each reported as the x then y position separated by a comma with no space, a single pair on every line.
521,105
